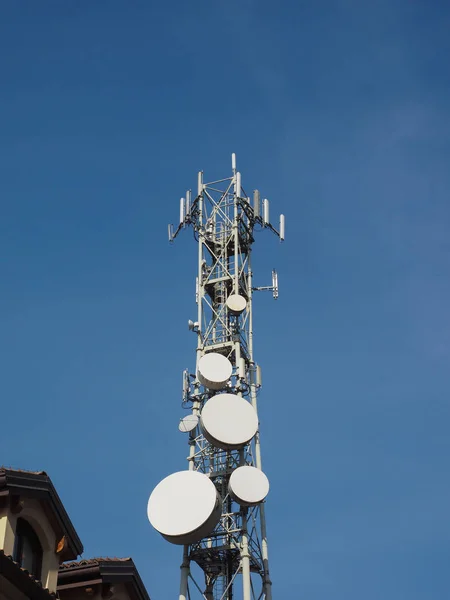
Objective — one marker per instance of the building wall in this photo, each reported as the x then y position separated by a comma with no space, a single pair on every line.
6,533
119,593
32,511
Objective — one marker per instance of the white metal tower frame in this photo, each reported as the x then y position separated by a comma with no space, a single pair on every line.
224,220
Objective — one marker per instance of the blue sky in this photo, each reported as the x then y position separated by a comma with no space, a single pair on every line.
339,112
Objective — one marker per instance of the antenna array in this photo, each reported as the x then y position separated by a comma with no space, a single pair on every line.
215,509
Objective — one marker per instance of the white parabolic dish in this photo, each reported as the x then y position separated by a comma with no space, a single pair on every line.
248,485
236,303
188,423
228,421
214,370
184,507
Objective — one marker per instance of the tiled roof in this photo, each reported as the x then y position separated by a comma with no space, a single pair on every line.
92,561
5,468
23,579
38,485
109,570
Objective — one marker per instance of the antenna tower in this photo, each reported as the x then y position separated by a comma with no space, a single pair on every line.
215,508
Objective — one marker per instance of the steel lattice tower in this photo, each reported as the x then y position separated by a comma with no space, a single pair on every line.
224,220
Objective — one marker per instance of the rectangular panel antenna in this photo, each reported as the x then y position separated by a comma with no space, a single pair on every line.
266,217
258,376
170,230
252,374
281,227
188,202
185,384
256,204
238,185
241,368
182,210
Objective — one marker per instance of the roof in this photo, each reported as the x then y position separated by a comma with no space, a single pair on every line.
92,561
103,570
22,579
23,471
38,485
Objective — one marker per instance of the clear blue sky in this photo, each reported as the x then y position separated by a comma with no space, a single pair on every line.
340,113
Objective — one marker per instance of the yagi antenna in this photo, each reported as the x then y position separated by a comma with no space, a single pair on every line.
269,288
275,284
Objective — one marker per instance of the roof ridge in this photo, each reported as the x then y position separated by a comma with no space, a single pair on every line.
26,471
94,561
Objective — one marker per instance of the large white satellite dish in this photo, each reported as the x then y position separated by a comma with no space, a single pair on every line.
184,507
248,485
228,421
214,370
236,303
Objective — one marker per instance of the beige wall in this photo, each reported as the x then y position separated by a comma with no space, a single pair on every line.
33,513
6,533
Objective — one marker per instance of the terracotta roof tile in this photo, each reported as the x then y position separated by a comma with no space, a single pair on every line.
92,561
108,569
27,574
4,468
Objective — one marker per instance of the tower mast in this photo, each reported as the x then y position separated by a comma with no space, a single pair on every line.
221,525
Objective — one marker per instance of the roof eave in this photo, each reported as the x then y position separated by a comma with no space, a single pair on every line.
110,571
40,486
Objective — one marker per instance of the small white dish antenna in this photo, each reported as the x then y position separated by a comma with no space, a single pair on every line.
193,325
248,486
184,507
214,370
236,304
228,421
188,423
